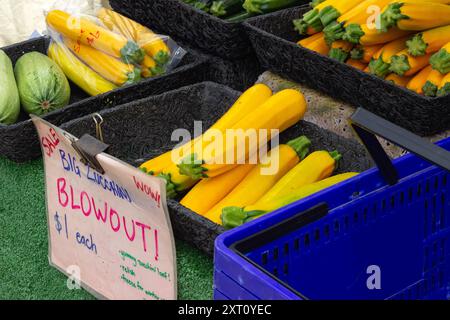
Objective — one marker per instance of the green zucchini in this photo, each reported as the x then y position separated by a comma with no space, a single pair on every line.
9,95
226,8
265,6
239,17
42,85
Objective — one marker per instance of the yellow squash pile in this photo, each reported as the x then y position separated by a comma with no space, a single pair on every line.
99,58
406,42
239,191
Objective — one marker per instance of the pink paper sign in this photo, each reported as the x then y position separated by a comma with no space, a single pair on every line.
111,230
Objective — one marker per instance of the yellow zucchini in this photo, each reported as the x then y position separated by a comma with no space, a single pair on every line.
417,82
381,61
415,15
235,216
444,87
368,36
429,41
209,192
405,64
319,45
90,34
356,64
280,112
315,167
398,80
108,67
152,44
257,182
340,50
441,59
80,74
431,86
249,101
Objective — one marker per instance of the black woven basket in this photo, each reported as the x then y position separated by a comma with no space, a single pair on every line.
274,39
238,74
183,22
19,141
142,130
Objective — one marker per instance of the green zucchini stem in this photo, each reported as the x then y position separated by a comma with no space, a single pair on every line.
430,89
233,217
399,64
391,16
441,61
338,54
192,167
333,32
417,46
301,146
328,14
445,90
353,33
378,67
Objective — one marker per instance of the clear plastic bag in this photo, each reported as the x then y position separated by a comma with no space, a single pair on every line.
100,50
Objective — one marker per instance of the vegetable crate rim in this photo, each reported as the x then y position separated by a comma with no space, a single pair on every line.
323,246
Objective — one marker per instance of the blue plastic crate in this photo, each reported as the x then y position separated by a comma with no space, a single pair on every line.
361,239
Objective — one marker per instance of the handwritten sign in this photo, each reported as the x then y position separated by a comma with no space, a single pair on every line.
113,229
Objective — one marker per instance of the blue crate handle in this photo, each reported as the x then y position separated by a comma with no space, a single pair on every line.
366,125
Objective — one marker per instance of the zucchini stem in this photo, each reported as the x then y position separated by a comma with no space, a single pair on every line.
312,19
417,46
338,54
378,67
391,16
131,53
441,61
233,217
353,33
333,32
399,64
301,146
171,187
357,53
430,89
445,90
134,76
192,167
336,156
328,14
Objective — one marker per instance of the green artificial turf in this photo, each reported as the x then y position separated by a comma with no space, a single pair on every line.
24,269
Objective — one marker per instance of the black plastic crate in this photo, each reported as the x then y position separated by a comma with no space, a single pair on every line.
142,130
274,39
19,142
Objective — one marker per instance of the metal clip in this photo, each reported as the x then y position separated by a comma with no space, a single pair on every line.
88,148
98,119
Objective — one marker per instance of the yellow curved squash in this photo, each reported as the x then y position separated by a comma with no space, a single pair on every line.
80,74
417,82
258,182
279,112
249,101
208,192
235,216
90,34
108,67
315,167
